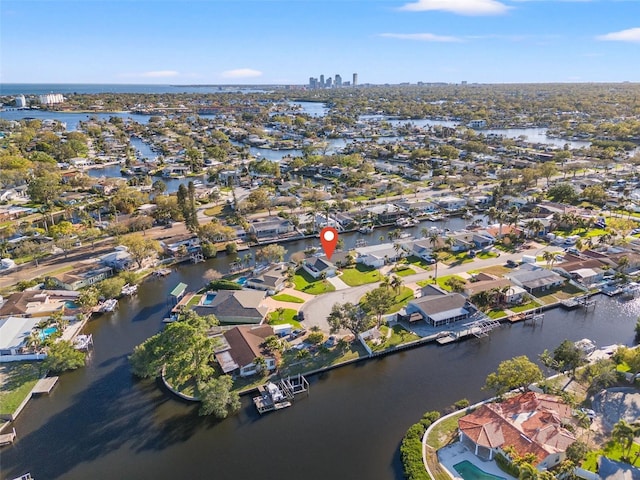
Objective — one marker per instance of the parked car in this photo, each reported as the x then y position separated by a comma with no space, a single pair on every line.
331,341
300,316
297,333
511,264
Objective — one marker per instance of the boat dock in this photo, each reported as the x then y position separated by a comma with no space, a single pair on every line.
582,302
276,396
44,385
8,438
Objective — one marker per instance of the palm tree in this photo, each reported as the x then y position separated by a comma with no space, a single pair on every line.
396,283
624,434
424,232
548,257
527,472
386,283
260,364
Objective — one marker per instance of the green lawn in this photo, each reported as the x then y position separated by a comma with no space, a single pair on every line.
398,336
214,211
19,379
455,258
495,314
287,317
612,451
283,297
307,284
558,294
195,300
527,306
444,431
404,271
442,281
485,255
401,300
424,283
360,275
417,261
291,365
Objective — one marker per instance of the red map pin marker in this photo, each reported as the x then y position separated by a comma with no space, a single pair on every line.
329,240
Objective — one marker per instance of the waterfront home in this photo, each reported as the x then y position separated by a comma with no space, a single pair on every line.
419,207
420,248
14,333
385,213
82,276
236,306
241,347
452,204
272,279
188,243
270,227
379,255
319,266
585,272
37,303
120,259
531,423
439,308
536,280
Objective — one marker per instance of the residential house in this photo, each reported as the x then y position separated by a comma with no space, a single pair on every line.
611,470
270,227
420,248
189,243
14,332
272,279
586,272
319,266
83,276
378,255
418,206
440,308
120,259
452,204
536,280
531,423
385,213
241,347
237,306
37,303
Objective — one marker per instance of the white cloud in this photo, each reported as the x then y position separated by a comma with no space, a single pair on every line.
160,74
242,73
629,35
461,7
423,37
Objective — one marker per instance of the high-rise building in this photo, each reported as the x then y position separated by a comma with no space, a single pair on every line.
355,80
21,102
328,82
338,80
51,98
313,83
321,81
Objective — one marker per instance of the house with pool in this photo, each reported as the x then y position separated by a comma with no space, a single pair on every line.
529,423
235,306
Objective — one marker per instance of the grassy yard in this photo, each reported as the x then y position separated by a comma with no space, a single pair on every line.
442,281
417,261
292,365
398,336
307,284
485,255
404,271
287,317
497,270
283,297
612,451
195,300
455,258
214,211
527,306
558,294
496,314
16,381
445,431
360,275
401,300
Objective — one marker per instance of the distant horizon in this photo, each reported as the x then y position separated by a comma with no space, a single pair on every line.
286,42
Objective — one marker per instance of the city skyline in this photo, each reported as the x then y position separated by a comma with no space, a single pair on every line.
281,42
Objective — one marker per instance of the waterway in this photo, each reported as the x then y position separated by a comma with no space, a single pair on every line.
102,423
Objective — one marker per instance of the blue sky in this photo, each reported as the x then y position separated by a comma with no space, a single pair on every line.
287,41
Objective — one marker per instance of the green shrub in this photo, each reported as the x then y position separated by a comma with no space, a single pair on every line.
411,448
506,466
209,250
224,285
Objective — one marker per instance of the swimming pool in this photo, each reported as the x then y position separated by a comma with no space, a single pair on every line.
208,298
469,471
46,332
70,304
241,280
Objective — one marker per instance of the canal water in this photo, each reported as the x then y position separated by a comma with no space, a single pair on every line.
102,423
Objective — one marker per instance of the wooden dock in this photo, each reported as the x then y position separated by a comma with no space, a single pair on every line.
8,438
276,396
44,385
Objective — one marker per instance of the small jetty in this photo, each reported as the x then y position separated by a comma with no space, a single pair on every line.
108,305
83,342
582,302
8,438
276,396
44,386
128,290
163,272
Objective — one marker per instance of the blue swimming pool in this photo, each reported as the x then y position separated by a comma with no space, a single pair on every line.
241,280
208,298
46,332
71,304
469,471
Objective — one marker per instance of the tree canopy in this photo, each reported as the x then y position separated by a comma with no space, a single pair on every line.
519,372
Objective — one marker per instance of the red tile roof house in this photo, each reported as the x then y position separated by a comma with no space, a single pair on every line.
530,423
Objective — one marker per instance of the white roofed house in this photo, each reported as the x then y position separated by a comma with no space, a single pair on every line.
270,227
241,346
273,279
378,255
452,204
420,248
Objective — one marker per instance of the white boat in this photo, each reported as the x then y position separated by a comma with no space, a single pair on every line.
108,305
83,342
129,289
366,229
